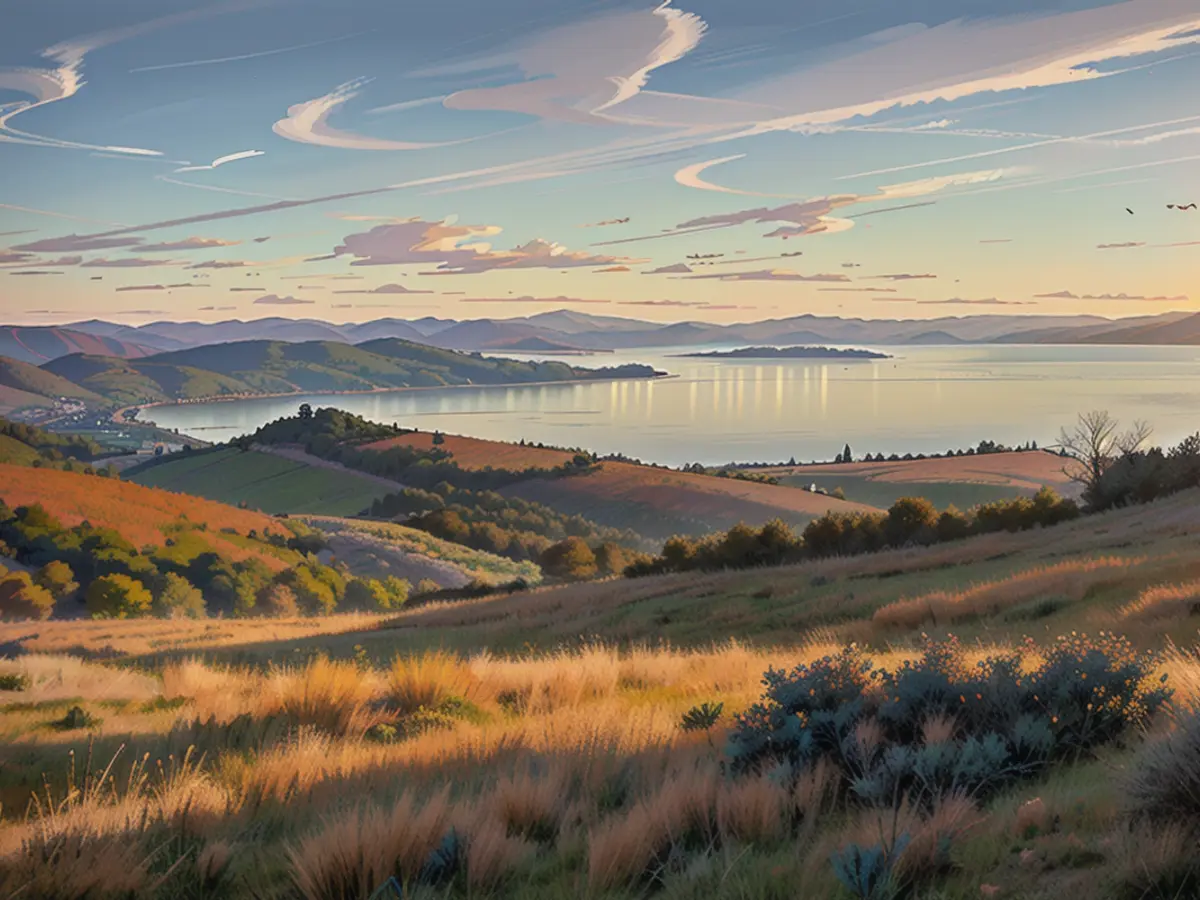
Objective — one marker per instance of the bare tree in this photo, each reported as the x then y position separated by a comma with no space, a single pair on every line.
1096,442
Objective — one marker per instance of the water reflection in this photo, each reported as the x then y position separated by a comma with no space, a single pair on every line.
927,399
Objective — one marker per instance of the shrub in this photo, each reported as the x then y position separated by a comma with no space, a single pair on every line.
56,577
911,520
14,681
570,559
117,597
178,599
367,594
936,726
20,598
279,601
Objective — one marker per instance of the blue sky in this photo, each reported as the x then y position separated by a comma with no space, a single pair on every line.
701,160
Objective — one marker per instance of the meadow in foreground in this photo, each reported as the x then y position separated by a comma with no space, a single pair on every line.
389,756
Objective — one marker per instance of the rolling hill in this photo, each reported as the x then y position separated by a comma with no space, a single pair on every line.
37,344
262,481
961,481
656,503
259,367
22,376
141,515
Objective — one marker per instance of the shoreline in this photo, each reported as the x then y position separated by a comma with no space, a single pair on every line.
118,415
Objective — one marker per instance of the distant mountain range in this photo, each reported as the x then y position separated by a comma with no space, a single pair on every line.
568,331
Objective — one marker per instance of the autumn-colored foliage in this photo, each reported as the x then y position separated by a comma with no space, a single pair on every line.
139,513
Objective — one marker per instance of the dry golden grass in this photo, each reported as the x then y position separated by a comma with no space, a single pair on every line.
60,677
356,853
1022,470
1164,601
569,766
1067,581
476,453
144,637
428,679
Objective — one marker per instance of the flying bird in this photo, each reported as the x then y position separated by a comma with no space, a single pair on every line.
1128,210
1180,206
221,160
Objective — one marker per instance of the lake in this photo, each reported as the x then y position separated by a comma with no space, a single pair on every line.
926,399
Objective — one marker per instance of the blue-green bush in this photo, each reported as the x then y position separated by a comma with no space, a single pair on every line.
995,722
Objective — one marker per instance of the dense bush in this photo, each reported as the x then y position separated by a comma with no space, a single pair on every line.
372,595
570,560
1145,475
521,529
910,521
118,597
184,577
938,726
20,598
178,599
56,577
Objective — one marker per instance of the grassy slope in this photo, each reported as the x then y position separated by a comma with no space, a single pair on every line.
657,503
264,481
16,453
22,376
378,549
476,453
1027,471
960,481
598,720
139,513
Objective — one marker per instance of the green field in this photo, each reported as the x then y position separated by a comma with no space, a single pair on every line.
883,494
262,481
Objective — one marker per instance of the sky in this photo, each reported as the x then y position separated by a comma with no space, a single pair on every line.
694,160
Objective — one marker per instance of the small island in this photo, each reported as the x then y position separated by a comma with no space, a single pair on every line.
788,353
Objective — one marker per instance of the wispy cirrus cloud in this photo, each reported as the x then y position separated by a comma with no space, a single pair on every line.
607,222
902,276
128,262
223,160
307,123
771,275
815,215
581,72
64,79
192,243
276,300
386,289
1070,295
959,301
160,287
75,243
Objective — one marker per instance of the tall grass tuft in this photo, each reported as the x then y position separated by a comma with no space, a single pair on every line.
355,854
1164,601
